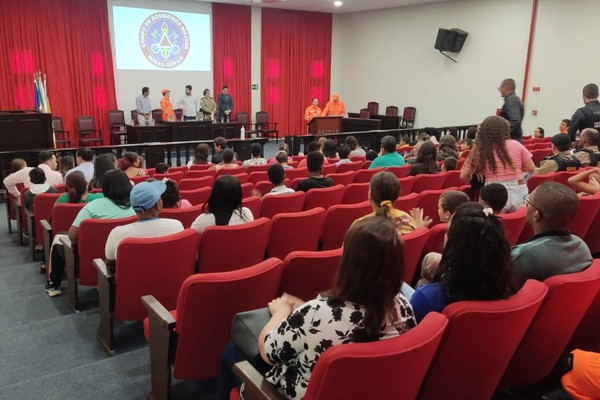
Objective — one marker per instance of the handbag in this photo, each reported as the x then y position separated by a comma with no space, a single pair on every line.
246,328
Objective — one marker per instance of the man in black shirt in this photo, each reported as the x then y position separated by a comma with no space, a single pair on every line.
587,116
314,163
512,110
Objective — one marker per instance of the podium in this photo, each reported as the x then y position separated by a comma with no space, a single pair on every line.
325,125
25,130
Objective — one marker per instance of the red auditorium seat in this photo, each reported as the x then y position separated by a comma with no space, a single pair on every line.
201,167
539,154
563,177
325,197
351,166
365,175
258,176
429,182
42,209
436,238
255,168
329,169
139,179
247,189
345,178
196,196
196,183
586,335
536,180
513,224
589,206
414,243
428,201
292,174
308,273
183,169
200,173
407,203
263,187
184,215
281,203
63,215
175,176
406,185
356,193
295,231
366,164
338,220
453,179
231,171
252,203
400,172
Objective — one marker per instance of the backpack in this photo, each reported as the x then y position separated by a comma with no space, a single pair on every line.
566,164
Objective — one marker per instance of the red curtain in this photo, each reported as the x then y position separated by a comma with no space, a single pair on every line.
68,40
231,53
295,65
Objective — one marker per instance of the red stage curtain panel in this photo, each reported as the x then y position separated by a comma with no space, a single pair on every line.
231,54
69,40
295,65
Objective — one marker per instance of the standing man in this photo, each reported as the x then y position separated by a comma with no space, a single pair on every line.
208,107
168,113
225,104
334,107
587,116
144,107
189,104
512,110
312,111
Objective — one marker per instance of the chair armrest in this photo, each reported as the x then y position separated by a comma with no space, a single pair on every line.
255,385
47,236
158,312
46,227
103,271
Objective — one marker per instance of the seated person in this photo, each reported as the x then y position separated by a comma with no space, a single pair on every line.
330,150
561,160
494,196
371,155
37,177
404,142
224,205
310,147
200,155
315,180
220,144
426,162
448,148
389,156
343,153
355,149
582,381
450,164
282,147
587,181
475,242
145,198
228,157
564,126
257,158
277,177
422,137
76,190
282,159
102,163
162,168
553,250
587,151
538,133
130,163
465,144
472,132
19,174
171,198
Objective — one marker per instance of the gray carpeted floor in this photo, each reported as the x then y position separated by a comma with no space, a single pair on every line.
49,352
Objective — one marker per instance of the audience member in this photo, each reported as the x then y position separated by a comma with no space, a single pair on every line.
422,137
512,109
475,263
161,168
553,250
582,381
200,155
564,126
38,186
355,149
84,158
587,181
66,163
426,161
465,144
561,160
131,164
102,164
282,147
76,190
472,132
228,160
220,144
145,199
309,148
389,156
276,174
48,163
587,116
171,198
450,164
452,132
404,142
587,150
330,149
371,155
343,153
315,180
448,148
282,159
224,205
257,158
538,132
494,196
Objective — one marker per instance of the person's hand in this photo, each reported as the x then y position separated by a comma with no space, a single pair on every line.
594,182
293,300
421,221
280,306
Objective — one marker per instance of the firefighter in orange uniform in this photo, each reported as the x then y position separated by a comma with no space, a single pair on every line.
168,114
334,107
312,111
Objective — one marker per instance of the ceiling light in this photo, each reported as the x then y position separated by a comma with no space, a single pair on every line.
337,3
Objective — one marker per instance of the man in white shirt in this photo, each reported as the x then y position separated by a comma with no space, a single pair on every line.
47,162
145,200
144,107
189,105
276,175
84,158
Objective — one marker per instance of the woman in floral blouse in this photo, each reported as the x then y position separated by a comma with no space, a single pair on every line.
365,304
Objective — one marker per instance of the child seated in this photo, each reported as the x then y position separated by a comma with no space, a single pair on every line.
344,152
494,196
449,164
161,168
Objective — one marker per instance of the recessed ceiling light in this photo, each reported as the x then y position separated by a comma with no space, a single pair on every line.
337,3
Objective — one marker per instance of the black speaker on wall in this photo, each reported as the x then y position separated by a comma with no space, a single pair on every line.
451,40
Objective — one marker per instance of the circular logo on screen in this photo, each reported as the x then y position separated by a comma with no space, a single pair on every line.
164,40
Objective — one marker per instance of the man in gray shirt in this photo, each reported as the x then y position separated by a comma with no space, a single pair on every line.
512,110
189,104
144,107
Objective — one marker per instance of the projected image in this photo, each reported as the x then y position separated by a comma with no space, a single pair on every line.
161,40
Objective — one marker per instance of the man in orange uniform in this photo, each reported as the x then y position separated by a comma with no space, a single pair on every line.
312,111
168,114
334,107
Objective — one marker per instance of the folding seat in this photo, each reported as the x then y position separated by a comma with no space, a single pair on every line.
186,342
63,216
592,237
429,182
255,168
296,182
281,203
247,189
513,224
351,166
453,179
436,238
356,193
264,187
201,167
407,203
569,297
196,173
338,220
406,185
243,177
227,248
325,197
185,215
357,158
298,158
253,204
42,209
563,177
151,171
196,183
469,367
231,171
345,178
586,214
369,370
175,176
428,201
138,179
91,242
258,176
299,231
400,172
183,169
292,174
414,243
365,175
536,180
538,155
148,266
329,169
366,165
196,196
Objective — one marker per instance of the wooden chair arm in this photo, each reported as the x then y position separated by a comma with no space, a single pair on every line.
256,386
46,227
103,272
106,291
48,236
158,312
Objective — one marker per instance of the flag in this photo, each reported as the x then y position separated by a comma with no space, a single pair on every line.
42,101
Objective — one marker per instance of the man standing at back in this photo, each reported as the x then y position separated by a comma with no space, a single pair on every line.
144,107
389,156
512,110
587,116
84,158
189,105
225,102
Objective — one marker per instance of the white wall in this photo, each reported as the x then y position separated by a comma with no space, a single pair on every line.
255,42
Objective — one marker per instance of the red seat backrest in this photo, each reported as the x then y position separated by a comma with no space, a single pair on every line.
408,355
563,177
200,173
513,224
436,238
406,185
252,203
538,155
196,183
203,329
281,203
183,169
592,237
351,166
196,196
138,179
152,266
308,273
407,203
589,206
243,177
258,176
292,174
537,179
429,182
227,248
338,220
365,175
400,172
63,216
414,243
42,209
254,168
201,167
453,179
184,215
175,176
329,169
231,171
325,197
247,189
428,201
468,368
295,232
356,193
345,178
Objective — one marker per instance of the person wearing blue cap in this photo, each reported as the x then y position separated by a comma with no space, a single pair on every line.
147,204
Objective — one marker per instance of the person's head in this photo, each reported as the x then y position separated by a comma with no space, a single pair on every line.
330,149
590,92
284,147
145,199
589,137
281,157
256,150
206,92
225,89
423,136
476,263
75,186
37,176
102,164
161,168
472,132
384,189
507,87
225,197
166,92
48,158
427,156
564,125
314,162
404,140
321,141
351,142
315,102
560,142
228,156
551,207
465,144
201,154
66,163
388,144
84,154
450,164
276,174
448,142
491,142
220,144
171,196
344,152
128,160
371,155
17,164
449,202
538,132
373,242
145,91
313,146
188,89
494,196
335,97
116,187
452,132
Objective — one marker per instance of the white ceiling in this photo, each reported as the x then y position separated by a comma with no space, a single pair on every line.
348,6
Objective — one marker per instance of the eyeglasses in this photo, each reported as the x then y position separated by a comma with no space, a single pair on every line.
527,200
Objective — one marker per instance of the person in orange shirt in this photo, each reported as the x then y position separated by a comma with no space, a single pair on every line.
312,111
564,126
168,114
334,107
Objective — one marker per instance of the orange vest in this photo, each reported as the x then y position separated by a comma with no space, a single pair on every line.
311,112
168,114
334,108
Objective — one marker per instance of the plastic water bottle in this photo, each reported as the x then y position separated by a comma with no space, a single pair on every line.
242,133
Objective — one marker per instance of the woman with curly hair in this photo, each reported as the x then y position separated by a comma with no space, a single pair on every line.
426,161
448,148
130,163
498,158
476,263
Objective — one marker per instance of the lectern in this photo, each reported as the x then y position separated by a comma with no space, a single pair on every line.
325,125
25,130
